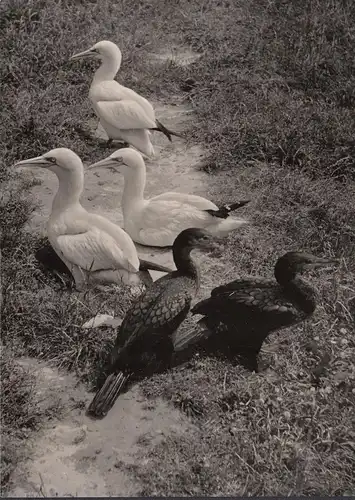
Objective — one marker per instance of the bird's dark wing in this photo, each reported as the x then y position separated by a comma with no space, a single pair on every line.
242,284
157,312
246,304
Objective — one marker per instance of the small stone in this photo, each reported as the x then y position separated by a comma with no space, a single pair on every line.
101,183
343,331
98,451
99,320
287,415
80,437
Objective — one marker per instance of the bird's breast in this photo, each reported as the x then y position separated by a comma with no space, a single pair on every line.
65,223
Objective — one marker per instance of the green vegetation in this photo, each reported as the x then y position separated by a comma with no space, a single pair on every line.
274,97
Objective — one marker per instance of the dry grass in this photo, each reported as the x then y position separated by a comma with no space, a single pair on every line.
273,94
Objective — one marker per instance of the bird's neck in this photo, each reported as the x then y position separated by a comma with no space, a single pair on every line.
107,71
69,191
297,290
185,264
134,184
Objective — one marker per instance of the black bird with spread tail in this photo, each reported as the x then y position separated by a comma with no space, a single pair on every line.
144,342
241,314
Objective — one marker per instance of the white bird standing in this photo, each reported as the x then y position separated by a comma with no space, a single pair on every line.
157,221
89,245
124,114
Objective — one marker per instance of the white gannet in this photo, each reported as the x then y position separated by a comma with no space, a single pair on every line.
157,222
124,114
89,245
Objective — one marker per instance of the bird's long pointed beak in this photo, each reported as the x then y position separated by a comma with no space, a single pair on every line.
106,162
324,263
39,161
243,203
82,55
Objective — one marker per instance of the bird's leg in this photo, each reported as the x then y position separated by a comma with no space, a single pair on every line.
248,357
110,144
79,278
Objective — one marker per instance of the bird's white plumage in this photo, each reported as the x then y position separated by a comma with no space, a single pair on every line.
124,114
81,239
93,250
158,220
162,220
127,113
191,199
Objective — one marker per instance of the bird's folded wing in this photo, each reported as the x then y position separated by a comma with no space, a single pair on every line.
152,312
93,250
250,300
191,199
124,115
166,217
242,285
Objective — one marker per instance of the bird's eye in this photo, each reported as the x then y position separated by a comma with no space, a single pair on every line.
51,159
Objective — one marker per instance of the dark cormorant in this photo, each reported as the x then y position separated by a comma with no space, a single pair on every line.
240,315
144,340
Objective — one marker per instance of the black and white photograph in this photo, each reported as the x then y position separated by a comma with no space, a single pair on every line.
177,264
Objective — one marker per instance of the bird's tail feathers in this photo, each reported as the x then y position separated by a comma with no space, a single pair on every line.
105,398
166,131
225,226
224,211
190,336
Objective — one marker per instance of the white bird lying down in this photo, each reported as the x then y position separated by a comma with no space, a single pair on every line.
157,222
124,114
90,246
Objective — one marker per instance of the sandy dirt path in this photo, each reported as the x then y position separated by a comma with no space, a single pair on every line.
75,455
